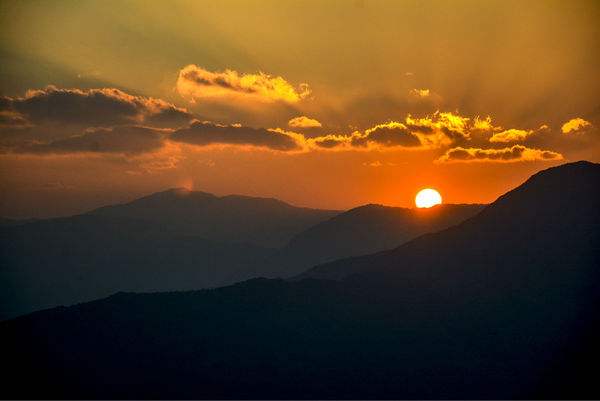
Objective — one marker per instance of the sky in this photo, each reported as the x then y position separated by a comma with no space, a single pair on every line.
325,104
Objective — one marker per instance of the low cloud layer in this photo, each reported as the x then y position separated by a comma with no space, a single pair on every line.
513,154
198,83
91,107
110,121
129,140
207,133
439,130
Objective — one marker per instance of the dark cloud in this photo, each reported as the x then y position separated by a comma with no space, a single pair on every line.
511,154
92,107
11,119
207,133
123,139
328,143
392,134
168,117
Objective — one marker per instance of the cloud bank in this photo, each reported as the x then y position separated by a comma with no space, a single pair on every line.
513,154
91,107
128,140
110,121
204,133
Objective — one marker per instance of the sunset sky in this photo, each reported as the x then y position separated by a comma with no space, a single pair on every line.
328,104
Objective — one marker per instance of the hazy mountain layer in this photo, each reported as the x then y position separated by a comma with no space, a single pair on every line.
182,240
372,228
501,306
264,222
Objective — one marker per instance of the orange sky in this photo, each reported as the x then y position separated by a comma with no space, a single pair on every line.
328,104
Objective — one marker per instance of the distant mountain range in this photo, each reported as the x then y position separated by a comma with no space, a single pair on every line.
183,240
372,228
503,305
265,222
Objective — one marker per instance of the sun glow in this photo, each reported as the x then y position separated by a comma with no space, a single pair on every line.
427,198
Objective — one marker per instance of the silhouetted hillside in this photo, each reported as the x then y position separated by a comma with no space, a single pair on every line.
536,212
503,305
69,260
265,222
6,222
172,240
372,228
182,240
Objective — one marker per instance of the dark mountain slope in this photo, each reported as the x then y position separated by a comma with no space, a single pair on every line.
172,240
69,260
371,228
501,306
261,221
527,222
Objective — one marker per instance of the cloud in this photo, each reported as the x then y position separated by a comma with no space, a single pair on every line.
92,107
454,126
12,119
387,135
206,133
332,141
377,163
575,125
430,132
511,135
304,122
484,125
129,140
197,83
420,93
515,153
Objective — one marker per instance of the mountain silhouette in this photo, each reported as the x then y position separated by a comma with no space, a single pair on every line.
371,228
184,240
503,305
172,240
550,205
264,222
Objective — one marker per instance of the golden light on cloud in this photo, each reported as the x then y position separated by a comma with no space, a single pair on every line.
428,197
198,83
574,125
511,135
515,153
484,124
420,92
304,122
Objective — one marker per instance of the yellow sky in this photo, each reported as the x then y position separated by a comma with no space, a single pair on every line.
326,104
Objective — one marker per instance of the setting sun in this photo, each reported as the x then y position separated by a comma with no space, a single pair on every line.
427,198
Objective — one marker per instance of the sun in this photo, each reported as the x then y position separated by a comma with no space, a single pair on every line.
427,198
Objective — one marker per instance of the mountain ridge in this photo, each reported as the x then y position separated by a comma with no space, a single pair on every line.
512,311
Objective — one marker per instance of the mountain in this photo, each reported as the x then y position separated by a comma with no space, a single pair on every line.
264,222
6,222
503,305
172,240
183,240
371,228
535,213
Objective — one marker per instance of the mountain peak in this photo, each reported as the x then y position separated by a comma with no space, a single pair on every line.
558,192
